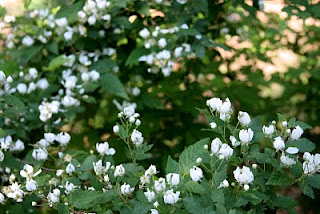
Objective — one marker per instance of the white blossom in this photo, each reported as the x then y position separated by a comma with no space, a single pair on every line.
70,168
268,130
119,171
40,154
196,173
173,179
296,133
170,197
246,136
63,138
287,161
160,184
126,189
104,149
136,137
149,195
243,175
54,196
244,118
278,143
31,185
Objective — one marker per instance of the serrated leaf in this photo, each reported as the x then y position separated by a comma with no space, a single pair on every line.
88,163
70,12
135,55
111,84
193,187
313,180
303,144
56,63
62,209
172,166
279,179
189,156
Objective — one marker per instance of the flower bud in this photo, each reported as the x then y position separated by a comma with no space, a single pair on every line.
199,160
213,125
246,187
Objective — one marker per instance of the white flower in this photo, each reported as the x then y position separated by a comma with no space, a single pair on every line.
50,137
170,197
22,88
59,172
215,145
54,196
278,143
69,187
119,171
99,168
40,154
246,187
126,189
243,175
85,76
213,125
154,211
224,184
285,160
149,195
292,150
245,136
196,173
62,22
27,172
27,41
44,143
144,33
63,138
182,1
1,156
70,168
103,149
15,192
68,35
116,129
160,184
1,198
173,179
31,185
225,107
296,133
225,116
95,75
18,146
225,151
268,130
128,111
136,137
152,170
234,141
244,118
162,42
33,73
92,20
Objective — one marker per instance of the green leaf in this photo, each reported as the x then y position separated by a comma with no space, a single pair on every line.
313,180
193,187
10,161
71,13
303,144
56,63
135,55
172,166
189,156
281,118
62,209
284,202
306,189
293,123
141,208
111,84
25,54
88,163
279,179
2,133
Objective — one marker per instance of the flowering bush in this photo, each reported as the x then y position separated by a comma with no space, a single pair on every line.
70,68
234,173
